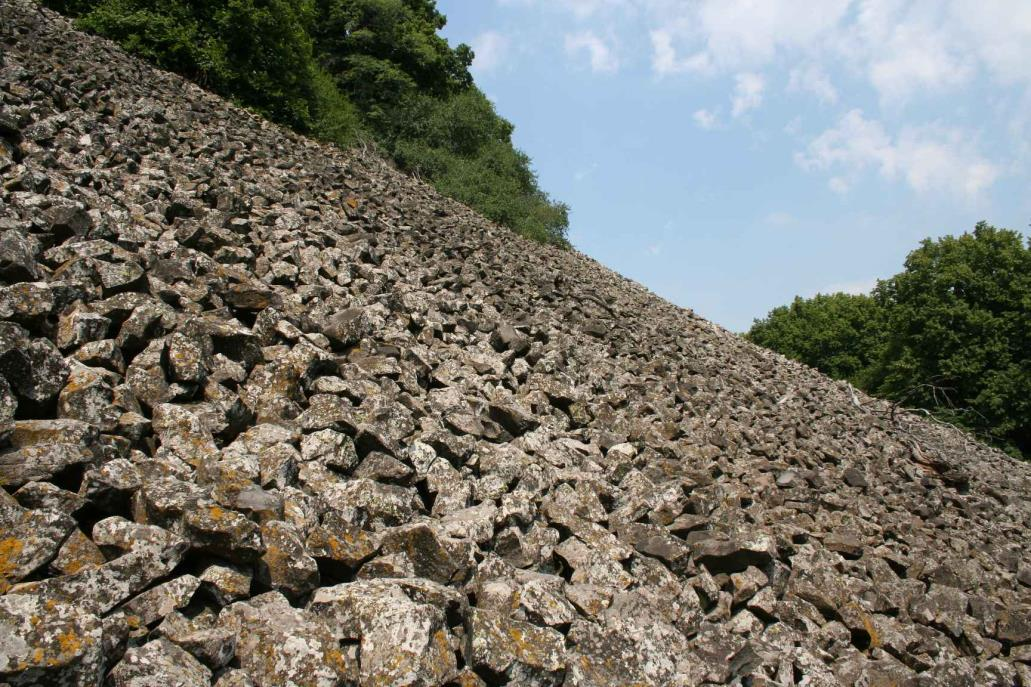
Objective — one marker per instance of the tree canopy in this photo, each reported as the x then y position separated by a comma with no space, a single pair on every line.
343,71
951,333
840,334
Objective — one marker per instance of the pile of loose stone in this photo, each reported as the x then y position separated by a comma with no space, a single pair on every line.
273,414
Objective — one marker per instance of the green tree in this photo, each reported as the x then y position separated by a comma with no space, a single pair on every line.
256,51
959,318
951,333
839,334
382,52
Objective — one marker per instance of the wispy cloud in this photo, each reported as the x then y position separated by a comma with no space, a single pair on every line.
491,49
706,119
601,56
811,78
748,93
931,158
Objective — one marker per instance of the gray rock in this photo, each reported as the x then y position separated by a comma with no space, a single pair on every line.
500,644
281,645
49,642
159,662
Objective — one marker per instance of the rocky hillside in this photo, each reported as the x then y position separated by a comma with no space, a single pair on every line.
272,414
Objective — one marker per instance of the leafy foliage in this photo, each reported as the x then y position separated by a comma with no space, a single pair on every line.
344,70
840,334
950,333
959,318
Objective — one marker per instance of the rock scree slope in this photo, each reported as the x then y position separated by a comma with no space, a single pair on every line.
274,414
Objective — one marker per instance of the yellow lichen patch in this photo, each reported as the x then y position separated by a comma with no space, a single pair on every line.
79,553
336,660
275,557
875,638
216,512
516,635
10,550
70,644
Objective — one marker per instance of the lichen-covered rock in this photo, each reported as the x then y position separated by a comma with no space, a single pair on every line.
80,327
225,532
100,589
281,645
29,539
48,642
77,553
34,368
286,565
159,662
502,645
39,461
432,555
87,396
631,653
157,602
202,637
402,642
736,554
18,257
347,327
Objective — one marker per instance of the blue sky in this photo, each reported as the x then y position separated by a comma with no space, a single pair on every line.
730,154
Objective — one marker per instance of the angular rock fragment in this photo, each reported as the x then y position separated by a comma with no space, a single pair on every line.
224,532
735,555
49,642
157,602
33,368
285,565
402,641
347,327
100,589
501,645
202,637
159,662
29,539
281,645
18,257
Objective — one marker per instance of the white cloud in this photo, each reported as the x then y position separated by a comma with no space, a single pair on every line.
748,93
601,56
811,78
729,35
490,48
705,119
903,48
931,158
665,60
